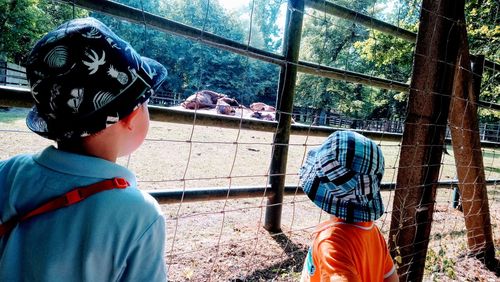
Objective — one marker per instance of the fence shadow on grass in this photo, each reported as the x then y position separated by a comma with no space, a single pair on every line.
493,266
293,260
497,268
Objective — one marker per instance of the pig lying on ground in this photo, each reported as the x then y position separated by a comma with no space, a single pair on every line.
263,111
202,99
261,107
224,108
206,99
268,116
209,99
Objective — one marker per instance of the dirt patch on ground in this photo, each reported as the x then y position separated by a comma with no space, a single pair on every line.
224,240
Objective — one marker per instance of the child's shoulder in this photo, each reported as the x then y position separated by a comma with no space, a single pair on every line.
15,161
135,199
339,229
14,167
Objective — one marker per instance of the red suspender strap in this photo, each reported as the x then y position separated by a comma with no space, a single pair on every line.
72,197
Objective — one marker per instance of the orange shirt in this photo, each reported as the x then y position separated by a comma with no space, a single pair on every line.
347,252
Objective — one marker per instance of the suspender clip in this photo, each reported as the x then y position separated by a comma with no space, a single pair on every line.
120,183
73,197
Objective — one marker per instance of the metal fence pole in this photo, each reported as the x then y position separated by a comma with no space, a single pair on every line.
286,90
424,135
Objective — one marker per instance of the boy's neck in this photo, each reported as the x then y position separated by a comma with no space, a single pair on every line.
338,219
82,147
74,146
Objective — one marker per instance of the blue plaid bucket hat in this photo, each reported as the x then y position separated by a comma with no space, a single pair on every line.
84,77
343,177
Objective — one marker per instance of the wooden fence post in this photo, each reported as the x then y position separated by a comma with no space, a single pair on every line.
423,138
497,139
3,73
286,91
466,141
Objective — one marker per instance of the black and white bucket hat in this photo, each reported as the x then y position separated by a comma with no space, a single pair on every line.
343,177
84,77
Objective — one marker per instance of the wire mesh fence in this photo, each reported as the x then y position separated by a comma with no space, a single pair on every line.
224,239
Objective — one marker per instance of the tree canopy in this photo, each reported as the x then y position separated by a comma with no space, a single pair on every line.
23,22
326,40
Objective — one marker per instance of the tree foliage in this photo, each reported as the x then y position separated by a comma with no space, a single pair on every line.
483,31
23,22
192,65
326,40
346,45
394,56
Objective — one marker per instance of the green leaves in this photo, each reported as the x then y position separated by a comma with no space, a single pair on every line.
326,40
25,21
339,43
335,42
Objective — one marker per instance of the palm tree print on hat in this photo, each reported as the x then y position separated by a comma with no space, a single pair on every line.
95,61
34,91
112,43
92,34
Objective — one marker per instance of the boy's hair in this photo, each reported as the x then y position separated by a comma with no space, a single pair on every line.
343,177
84,77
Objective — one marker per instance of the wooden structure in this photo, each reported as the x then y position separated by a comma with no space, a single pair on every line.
438,80
425,127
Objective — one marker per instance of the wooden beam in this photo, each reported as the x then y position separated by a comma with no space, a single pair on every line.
424,135
199,194
165,25
15,97
464,128
370,22
284,105
338,74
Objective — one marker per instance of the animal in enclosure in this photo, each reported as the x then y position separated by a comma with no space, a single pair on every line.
202,99
261,107
224,108
205,99
230,101
271,116
263,111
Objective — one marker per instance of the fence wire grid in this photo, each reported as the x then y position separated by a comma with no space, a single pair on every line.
222,238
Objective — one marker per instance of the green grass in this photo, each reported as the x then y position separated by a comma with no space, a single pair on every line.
8,115
492,169
440,262
491,153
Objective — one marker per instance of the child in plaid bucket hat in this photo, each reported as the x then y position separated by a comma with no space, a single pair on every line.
343,178
90,90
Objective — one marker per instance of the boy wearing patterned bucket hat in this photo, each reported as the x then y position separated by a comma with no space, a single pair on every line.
90,90
343,178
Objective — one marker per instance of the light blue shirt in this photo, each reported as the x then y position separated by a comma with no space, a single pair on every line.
115,235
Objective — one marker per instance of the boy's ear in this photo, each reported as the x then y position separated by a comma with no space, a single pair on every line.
127,121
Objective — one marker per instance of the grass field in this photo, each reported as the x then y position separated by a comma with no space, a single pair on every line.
224,240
